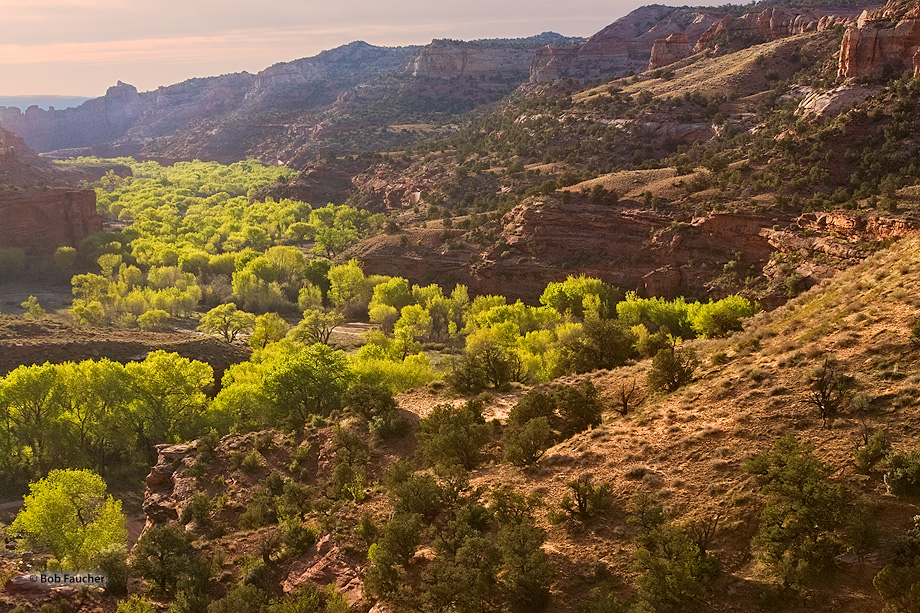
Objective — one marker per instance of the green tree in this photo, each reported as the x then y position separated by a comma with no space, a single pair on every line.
33,309
309,381
69,513
268,328
316,327
163,556
452,435
227,321
796,535
168,397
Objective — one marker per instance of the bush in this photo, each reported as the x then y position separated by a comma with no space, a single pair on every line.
135,604
162,556
899,581
796,537
113,563
578,407
875,450
829,388
672,369
298,537
197,510
369,401
33,309
715,319
903,474
389,427
586,499
153,320
526,443
452,435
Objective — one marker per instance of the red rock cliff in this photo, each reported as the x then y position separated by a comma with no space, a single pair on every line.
41,221
885,39
770,24
624,45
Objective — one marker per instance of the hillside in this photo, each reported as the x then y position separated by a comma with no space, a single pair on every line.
687,447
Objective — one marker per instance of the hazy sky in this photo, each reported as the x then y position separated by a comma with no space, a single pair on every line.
81,47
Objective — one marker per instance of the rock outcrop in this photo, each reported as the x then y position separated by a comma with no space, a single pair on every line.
41,221
624,45
769,24
669,50
825,104
887,39
38,212
502,59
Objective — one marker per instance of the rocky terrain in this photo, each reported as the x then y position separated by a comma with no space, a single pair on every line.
884,39
39,212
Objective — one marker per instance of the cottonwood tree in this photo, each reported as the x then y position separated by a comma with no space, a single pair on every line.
227,321
70,514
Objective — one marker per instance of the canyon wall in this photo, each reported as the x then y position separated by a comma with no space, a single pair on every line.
770,24
41,221
505,59
886,40
622,46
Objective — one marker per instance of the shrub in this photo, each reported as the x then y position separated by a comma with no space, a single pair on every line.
875,450
903,474
162,556
135,604
715,319
672,369
33,309
828,389
526,443
153,320
899,581
585,499
251,462
113,563
369,401
578,407
298,537
796,535
197,510
389,427
453,435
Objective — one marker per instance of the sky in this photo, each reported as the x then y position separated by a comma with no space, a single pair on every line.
82,47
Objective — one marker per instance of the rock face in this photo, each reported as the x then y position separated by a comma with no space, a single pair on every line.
669,50
624,45
38,213
41,221
887,39
826,104
506,59
770,24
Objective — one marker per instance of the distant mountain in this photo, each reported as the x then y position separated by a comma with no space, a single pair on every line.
43,102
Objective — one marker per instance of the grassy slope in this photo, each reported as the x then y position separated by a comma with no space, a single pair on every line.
690,445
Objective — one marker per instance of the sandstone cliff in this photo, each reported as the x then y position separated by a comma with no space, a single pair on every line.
669,50
770,24
38,212
624,45
887,39
41,221
500,58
